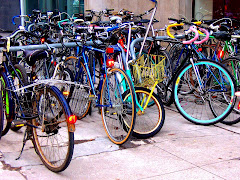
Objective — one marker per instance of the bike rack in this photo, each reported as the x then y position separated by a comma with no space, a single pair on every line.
47,46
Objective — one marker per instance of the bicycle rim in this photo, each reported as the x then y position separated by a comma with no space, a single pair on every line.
149,122
52,140
233,66
7,104
198,106
118,115
79,100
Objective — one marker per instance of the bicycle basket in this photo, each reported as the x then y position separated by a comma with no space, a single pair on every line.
25,102
148,69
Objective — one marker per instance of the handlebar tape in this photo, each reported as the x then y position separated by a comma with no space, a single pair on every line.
112,28
192,29
205,39
172,25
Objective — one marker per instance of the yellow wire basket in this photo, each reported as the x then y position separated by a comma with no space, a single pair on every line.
148,69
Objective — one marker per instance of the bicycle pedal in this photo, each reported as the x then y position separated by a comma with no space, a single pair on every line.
18,123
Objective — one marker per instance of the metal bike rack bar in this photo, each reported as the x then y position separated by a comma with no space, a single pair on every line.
157,38
44,46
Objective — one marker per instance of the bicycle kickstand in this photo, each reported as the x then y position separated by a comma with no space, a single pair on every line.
25,138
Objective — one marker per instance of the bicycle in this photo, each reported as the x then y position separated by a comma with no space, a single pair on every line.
146,100
206,85
196,77
44,110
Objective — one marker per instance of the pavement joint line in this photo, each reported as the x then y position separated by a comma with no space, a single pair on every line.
196,166
171,109
179,171
120,148
227,129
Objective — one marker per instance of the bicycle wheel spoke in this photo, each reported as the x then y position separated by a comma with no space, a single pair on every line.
211,99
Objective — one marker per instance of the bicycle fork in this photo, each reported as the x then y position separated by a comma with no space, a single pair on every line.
196,71
141,112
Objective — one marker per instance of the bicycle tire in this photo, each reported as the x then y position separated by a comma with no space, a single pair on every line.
70,63
7,103
80,103
24,38
150,122
233,65
164,90
53,139
24,78
67,89
1,115
194,106
118,116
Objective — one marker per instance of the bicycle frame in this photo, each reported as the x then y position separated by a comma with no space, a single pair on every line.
85,60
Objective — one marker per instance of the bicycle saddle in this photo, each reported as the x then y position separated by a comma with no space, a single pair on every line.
31,56
222,35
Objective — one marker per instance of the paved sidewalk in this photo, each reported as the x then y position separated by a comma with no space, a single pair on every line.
181,150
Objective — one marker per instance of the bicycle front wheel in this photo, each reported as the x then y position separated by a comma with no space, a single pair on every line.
52,140
210,96
118,114
233,66
150,121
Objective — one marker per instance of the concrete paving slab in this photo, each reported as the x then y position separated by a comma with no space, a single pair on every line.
134,163
203,150
181,150
28,158
193,173
95,146
42,173
11,175
228,169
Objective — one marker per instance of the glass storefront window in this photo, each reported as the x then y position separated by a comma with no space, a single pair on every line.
203,9
69,6
215,9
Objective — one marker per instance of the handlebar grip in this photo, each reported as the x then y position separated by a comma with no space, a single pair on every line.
170,26
192,29
172,19
112,28
205,39
14,18
198,23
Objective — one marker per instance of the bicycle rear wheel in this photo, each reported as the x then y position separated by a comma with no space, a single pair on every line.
1,115
233,66
18,83
66,89
118,114
7,103
52,140
149,122
211,104
164,89
80,103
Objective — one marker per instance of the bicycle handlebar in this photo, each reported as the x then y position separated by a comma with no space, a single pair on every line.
170,26
18,16
112,28
205,39
192,29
